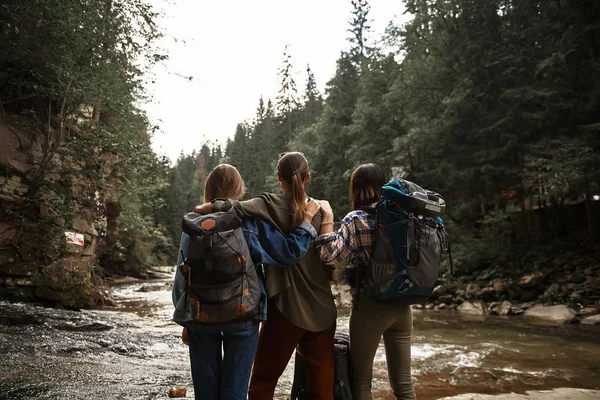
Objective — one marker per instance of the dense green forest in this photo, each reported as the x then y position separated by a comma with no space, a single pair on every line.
495,104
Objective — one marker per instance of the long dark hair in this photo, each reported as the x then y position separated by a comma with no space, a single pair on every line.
365,185
223,182
293,168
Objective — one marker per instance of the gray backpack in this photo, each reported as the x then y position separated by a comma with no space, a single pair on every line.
223,285
408,244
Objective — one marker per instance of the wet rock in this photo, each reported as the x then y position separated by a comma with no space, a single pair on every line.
588,311
527,305
531,280
429,306
446,299
498,285
471,290
593,320
472,307
560,314
503,308
178,391
91,327
19,318
554,394
155,288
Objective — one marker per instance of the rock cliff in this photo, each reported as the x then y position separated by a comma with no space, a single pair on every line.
45,196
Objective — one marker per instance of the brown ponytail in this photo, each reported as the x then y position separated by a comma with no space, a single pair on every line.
293,169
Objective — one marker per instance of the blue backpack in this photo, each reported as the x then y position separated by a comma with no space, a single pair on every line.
409,241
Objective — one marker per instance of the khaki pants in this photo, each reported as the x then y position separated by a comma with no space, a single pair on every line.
370,320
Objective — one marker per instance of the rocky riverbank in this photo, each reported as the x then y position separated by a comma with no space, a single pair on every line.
132,350
558,293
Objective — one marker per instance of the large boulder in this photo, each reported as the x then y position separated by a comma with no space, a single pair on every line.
559,314
472,307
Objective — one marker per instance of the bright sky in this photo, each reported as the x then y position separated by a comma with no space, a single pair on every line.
233,50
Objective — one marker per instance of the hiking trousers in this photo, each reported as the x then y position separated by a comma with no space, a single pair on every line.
370,320
276,343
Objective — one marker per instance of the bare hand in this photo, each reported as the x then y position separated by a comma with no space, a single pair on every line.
310,208
326,210
205,208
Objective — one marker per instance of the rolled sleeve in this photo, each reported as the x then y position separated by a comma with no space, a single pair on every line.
309,228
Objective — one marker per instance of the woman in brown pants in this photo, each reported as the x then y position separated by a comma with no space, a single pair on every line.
370,320
301,310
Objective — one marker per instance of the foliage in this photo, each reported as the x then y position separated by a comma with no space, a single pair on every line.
492,103
75,70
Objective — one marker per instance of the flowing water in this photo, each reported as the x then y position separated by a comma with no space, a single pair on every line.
134,351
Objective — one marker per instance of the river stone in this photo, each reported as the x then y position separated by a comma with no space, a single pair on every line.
499,285
90,327
501,308
155,288
560,313
594,319
531,280
178,391
472,307
588,311
554,394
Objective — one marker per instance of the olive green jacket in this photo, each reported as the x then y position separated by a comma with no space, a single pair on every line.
302,292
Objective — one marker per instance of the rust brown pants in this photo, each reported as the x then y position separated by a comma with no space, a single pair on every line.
276,343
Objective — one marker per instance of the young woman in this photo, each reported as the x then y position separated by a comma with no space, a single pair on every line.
352,244
225,374
301,307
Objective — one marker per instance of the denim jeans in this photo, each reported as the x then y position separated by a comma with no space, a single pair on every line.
221,359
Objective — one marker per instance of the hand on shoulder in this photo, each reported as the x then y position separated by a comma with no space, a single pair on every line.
205,208
311,208
326,210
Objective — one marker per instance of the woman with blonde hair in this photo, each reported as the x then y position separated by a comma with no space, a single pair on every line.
221,356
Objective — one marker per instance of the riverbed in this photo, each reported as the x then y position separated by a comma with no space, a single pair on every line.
133,351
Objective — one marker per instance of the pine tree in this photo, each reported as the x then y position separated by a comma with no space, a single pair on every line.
313,101
287,97
359,28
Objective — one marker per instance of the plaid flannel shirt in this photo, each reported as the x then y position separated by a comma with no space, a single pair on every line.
352,243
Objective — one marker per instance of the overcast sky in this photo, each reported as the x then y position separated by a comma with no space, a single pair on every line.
233,49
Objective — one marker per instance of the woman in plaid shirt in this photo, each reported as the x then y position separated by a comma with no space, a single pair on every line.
370,320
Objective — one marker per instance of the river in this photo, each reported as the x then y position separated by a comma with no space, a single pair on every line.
133,351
